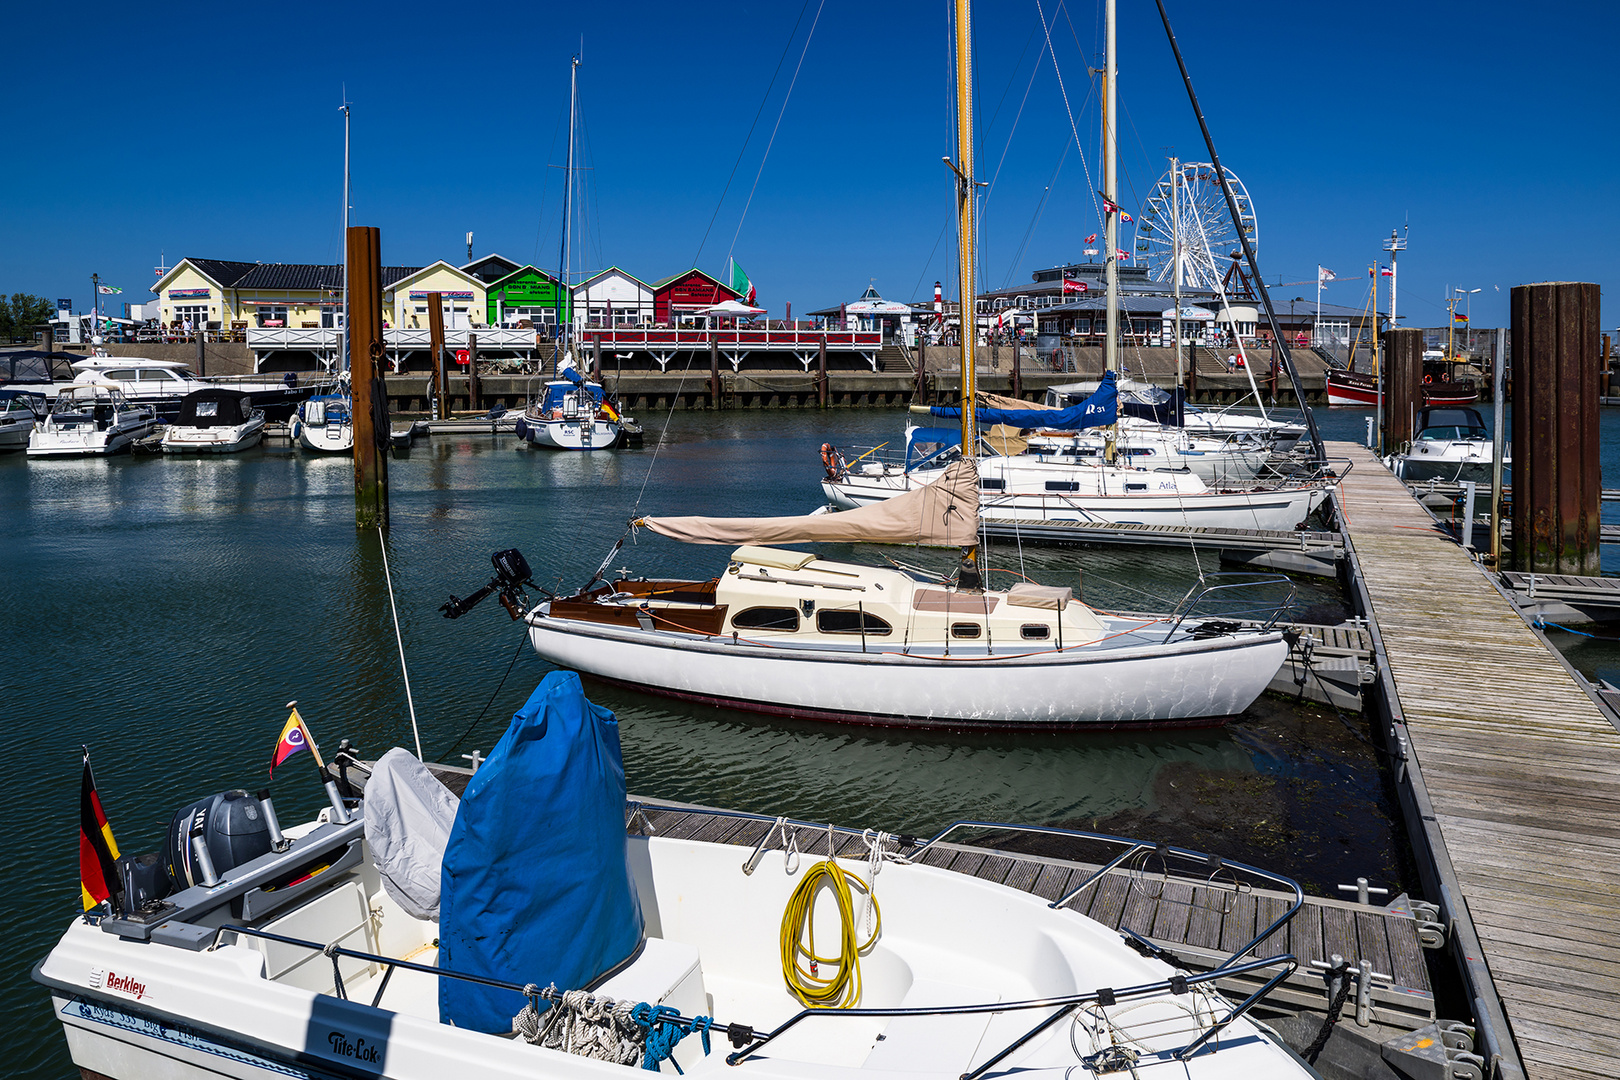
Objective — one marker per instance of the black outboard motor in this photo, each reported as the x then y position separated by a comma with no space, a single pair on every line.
512,573
232,829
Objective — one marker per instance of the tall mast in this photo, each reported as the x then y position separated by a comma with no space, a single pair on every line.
1378,365
1111,193
1175,256
344,352
568,194
965,192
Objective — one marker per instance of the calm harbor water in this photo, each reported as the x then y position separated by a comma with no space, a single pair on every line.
164,611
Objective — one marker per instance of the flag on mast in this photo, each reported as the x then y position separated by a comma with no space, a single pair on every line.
740,284
108,289
1324,275
98,851
294,737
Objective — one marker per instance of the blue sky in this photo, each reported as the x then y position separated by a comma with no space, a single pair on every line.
1489,128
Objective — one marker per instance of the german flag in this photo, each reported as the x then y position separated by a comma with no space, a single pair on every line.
98,851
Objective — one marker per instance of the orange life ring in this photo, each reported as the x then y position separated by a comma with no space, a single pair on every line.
461,356
831,461
1428,380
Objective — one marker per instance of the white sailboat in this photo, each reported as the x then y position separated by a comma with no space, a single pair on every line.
325,423
420,935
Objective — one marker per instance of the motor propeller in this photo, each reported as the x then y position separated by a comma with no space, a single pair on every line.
512,577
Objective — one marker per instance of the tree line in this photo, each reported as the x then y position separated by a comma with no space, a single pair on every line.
22,314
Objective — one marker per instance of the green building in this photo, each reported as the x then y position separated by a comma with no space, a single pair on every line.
528,293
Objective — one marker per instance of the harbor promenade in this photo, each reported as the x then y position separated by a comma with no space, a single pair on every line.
1511,784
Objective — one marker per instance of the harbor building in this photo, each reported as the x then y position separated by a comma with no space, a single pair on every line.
677,299
528,295
463,297
612,298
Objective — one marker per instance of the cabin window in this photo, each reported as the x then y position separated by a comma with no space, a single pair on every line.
767,618
1135,487
987,483
1035,631
1062,485
120,375
966,629
849,622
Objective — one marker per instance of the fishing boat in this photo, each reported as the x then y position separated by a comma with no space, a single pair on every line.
20,411
214,421
536,926
1452,446
325,423
90,420
572,413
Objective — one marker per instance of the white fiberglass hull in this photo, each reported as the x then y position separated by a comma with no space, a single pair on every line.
571,434
14,435
1449,461
213,440
1191,683
149,1011
85,441
331,438
1275,509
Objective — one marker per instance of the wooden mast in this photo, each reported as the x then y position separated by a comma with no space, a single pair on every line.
1111,219
968,320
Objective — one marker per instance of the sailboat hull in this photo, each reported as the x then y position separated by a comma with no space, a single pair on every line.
1005,687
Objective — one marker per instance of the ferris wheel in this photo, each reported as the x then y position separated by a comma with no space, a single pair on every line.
1199,215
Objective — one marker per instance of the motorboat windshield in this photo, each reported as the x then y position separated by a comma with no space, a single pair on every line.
1451,424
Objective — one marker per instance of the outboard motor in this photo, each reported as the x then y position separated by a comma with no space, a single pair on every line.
214,835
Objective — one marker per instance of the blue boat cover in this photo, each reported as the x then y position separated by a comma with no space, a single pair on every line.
535,886
1100,408
924,444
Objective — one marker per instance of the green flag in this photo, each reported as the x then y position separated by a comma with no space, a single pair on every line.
740,283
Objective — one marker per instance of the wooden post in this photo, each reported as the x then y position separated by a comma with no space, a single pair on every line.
201,362
475,393
596,357
435,303
1192,371
1604,376
368,395
1017,373
1557,481
821,372
1403,385
714,370
920,394
50,340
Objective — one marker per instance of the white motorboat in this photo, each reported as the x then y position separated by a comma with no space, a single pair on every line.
418,936
1033,488
214,421
324,424
1452,446
161,384
790,634
20,412
573,414
90,419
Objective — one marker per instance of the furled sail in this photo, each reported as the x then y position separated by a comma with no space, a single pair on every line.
942,514
1100,408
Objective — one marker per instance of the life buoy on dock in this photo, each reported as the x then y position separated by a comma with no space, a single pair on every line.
461,356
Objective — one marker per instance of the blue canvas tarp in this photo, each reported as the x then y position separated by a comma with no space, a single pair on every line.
535,887
1100,408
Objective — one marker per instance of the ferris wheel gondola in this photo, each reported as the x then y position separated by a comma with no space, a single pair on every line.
1198,216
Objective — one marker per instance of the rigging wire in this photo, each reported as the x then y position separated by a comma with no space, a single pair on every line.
744,147
1036,216
1073,129
540,223
767,156
388,576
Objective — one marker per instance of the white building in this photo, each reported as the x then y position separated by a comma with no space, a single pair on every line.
612,298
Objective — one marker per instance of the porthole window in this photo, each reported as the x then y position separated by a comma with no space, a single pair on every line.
849,622
966,629
767,618
1035,631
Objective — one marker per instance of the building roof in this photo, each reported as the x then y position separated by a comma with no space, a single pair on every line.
673,278
292,277
222,271
600,274
520,272
422,270
492,267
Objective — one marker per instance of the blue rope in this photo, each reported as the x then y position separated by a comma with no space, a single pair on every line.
663,1031
1542,624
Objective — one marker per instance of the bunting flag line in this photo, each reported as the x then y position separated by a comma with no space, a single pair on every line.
98,851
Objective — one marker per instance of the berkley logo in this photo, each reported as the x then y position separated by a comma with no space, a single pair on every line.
125,984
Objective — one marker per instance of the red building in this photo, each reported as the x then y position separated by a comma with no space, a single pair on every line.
681,295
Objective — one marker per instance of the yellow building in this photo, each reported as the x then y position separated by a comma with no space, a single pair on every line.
462,297
216,294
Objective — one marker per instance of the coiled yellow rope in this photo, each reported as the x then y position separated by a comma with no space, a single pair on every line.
801,966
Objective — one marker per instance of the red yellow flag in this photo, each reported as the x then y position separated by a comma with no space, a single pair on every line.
98,851
293,738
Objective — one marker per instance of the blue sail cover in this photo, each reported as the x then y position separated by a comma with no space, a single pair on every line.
1100,408
535,886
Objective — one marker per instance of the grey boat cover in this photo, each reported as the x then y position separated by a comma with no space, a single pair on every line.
408,818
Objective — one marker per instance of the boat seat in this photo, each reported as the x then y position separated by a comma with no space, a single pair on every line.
942,1044
666,973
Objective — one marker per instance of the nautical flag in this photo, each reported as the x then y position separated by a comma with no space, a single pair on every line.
1458,316
294,737
1092,239
1109,206
612,413
98,852
108,289
1123,216
1070,286
1386,271
740,283
1324,275
1121,253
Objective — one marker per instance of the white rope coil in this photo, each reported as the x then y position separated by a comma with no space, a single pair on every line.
586,1026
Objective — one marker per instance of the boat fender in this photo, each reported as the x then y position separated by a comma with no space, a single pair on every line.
521,428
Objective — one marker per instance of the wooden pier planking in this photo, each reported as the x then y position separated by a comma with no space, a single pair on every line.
1521,767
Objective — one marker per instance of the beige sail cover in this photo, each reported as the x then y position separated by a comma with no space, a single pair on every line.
997,401
1005,440
942,514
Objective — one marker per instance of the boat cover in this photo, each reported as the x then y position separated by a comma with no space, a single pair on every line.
942,514
536,887
408,818
213,407
1098,409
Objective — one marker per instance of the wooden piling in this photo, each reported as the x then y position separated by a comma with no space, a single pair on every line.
475,393
1403,385
435,302
369,398
920,394
714,371
821,372
596,357
202,368
1557,481
1016,374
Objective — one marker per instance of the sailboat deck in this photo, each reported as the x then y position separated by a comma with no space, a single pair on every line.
1516,781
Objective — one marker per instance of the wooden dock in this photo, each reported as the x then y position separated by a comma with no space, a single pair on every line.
1511,784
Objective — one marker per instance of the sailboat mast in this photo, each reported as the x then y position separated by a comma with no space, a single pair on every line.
965,192
1111,193
344,351
568,194
1175,256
